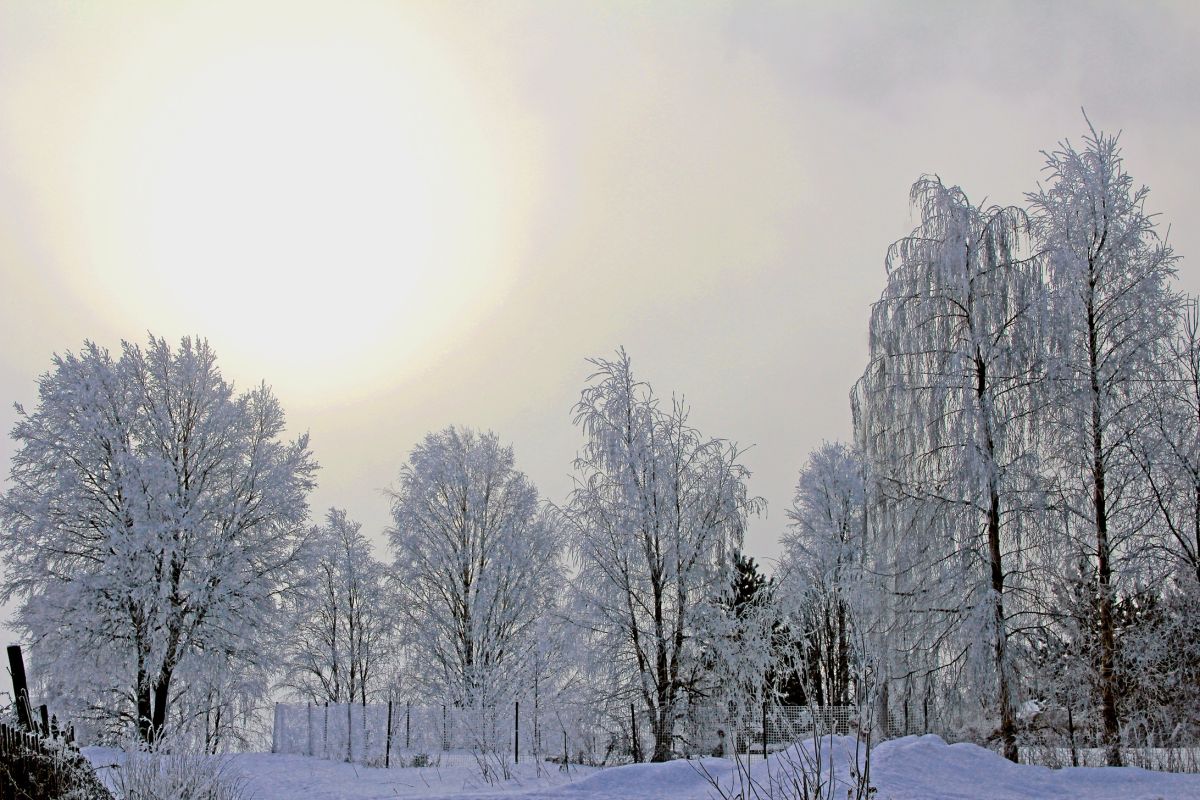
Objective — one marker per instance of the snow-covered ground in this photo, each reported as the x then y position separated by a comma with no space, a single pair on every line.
912,768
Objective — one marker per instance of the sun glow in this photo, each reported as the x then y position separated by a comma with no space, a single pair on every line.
326,200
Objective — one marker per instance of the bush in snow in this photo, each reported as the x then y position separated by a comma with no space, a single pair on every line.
151,776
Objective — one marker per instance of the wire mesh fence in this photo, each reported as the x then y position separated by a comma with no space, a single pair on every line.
524,731
408,735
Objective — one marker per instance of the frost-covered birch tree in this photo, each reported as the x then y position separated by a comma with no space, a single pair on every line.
154,517
1112,310
478,566
341,617
822,570
656,513
955,356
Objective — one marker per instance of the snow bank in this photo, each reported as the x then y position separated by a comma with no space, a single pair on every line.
269,776
912,768
926,768
670,781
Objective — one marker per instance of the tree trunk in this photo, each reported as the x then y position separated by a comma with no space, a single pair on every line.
1196,532
162,694
1108,646
144,707
1008,722
1108,692
662,734
843,645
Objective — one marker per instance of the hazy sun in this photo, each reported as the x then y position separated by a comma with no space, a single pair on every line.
337,201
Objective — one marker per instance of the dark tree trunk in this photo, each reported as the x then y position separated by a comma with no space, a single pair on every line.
162,694
1008,722
144,707
1108,692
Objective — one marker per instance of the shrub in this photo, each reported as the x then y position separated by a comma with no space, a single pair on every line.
148,776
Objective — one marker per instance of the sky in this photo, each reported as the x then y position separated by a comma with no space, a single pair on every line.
403,216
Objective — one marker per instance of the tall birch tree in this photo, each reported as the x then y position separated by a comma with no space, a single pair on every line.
478,566
955,356
1113,310
822,567
656,514
341,617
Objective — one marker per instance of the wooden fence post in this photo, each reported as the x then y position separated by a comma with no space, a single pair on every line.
408,726
516,731
20,688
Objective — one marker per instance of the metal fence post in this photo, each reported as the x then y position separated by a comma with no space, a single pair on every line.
516,731
387,753
764,731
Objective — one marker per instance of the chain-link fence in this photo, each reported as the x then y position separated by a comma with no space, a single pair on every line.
405,734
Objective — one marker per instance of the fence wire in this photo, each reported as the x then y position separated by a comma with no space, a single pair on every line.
405,734
525,731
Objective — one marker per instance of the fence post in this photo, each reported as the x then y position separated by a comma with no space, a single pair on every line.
20,688
408,726
444,728
387,753
325,733
275,731
764,730
516,731
350,731
308,719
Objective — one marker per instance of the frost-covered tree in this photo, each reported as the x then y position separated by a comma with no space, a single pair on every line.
822,568
477,566
1112,312
1168,453
153,518
341,617
955,358
656,513
748,646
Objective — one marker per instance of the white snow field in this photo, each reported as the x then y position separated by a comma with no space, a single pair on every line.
912,768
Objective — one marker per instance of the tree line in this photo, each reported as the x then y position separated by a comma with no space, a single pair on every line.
156,533
1012,537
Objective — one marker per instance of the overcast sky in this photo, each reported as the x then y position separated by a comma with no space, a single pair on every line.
405,216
